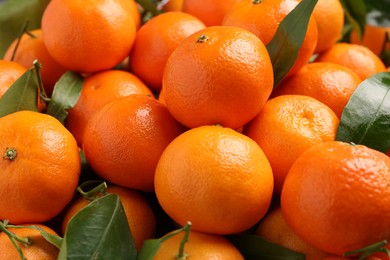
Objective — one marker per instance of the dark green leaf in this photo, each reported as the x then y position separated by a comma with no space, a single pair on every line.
254,247
378,12
149,249
65,95
13,14
355,11
284,46
148,6
22,95
151,246
99,231
366,117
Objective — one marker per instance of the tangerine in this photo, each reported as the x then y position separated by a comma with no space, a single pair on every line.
218,179
124,139
336,197
89,35
40,168
287,126
219,75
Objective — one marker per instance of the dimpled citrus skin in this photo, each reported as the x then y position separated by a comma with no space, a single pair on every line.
215,177
42,178
88,35
341,191
219,75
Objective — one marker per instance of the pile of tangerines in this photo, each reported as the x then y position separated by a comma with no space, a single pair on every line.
183,106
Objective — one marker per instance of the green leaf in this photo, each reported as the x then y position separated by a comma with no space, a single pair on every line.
151,246
254,247
65,95
284,46
13,14
366,117
99,231
22,95
149,9
378,12
355,11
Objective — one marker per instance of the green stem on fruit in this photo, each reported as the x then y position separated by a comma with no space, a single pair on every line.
42,93
19,38
10,153
255,2
93,193
26,241
369,250
182,255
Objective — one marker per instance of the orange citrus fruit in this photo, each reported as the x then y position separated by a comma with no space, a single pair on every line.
99,89
219,75
139,214
358,58
156,40
374,38
32,48
287,126
39,249
263,18
210,12
273,228
89,35
215,177
40,167
330,83
200,246
329,16
10,71
124,139
336,197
